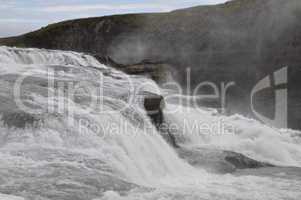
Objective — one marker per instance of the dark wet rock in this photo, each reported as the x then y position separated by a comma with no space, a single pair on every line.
158,71
154,105
219,161
106,60
242,162
19,119
291,173
168,136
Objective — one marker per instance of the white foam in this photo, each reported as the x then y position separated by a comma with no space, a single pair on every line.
10,197
46,57
127,141
237,133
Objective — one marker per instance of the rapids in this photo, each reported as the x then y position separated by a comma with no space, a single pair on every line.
72,128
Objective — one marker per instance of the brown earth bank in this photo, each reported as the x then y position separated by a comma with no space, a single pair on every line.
241,41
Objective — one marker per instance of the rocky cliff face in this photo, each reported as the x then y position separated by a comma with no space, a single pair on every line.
241,41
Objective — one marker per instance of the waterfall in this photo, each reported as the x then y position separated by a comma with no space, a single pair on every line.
72,128
117,130
46,57
206,128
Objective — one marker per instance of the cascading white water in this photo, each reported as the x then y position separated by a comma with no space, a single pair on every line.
206,128
139,154
9,197
86,135
45,57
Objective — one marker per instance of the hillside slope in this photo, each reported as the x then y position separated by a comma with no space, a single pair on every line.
241,41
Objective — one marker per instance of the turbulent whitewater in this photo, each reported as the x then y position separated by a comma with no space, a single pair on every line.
74,129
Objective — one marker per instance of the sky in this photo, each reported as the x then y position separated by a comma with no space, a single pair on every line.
21,16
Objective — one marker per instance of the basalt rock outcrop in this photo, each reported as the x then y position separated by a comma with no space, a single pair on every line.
154,105
219,161
241,41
